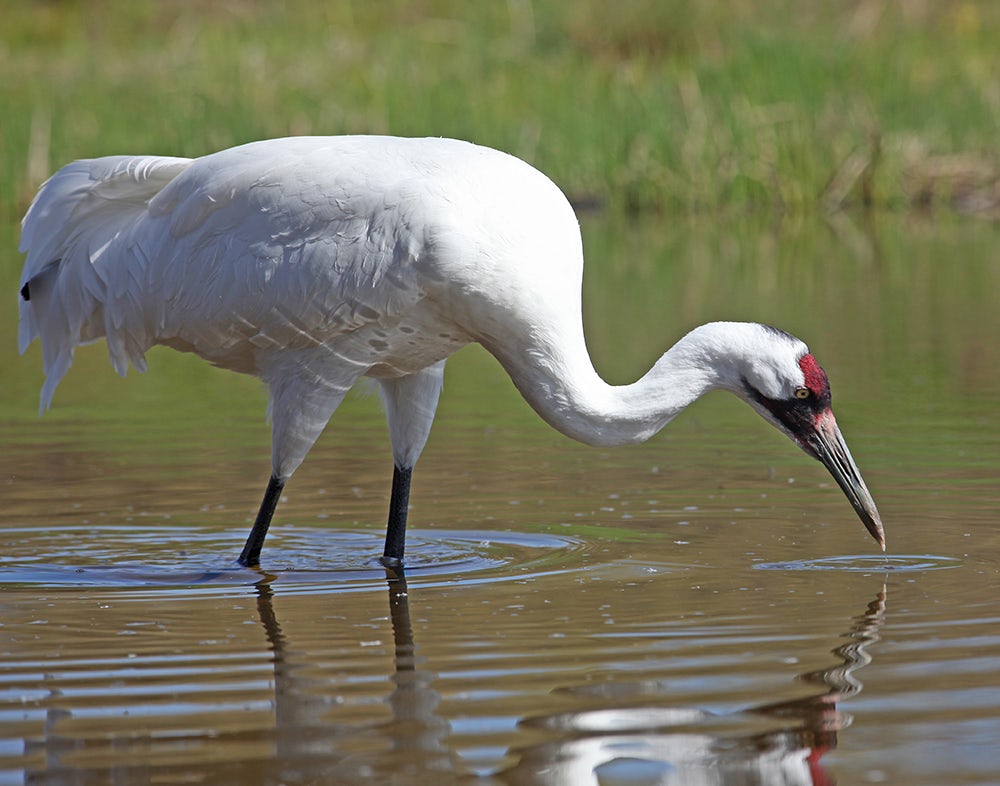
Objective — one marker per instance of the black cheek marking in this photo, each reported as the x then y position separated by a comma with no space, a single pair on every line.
26,292
799,416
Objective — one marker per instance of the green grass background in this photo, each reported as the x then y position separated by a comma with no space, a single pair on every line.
677,105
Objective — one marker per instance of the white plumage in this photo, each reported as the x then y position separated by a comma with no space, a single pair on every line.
310,262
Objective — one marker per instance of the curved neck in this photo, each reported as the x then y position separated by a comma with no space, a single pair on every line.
560,383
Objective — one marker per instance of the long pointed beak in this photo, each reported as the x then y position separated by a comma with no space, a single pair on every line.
827,444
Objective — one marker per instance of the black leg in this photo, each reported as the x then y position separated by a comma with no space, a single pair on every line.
251,551
395,531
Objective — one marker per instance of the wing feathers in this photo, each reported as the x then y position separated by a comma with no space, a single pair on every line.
70,234
273,245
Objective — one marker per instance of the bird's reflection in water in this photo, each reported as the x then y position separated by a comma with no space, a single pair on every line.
310,743
818,715
652,743
418,733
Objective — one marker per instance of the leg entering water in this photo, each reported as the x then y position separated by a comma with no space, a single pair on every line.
410,402
395,532
251,551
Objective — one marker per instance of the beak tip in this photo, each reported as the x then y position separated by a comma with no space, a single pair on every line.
877,532
873,523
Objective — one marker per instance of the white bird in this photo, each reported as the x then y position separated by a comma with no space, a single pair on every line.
310,262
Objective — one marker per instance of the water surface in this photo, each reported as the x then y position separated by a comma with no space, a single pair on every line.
703,608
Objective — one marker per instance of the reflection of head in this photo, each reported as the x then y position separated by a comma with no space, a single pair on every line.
643,742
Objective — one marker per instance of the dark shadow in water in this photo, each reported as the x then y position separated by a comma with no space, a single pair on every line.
673,747
653,743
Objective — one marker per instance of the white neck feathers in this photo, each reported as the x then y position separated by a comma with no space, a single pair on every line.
560,383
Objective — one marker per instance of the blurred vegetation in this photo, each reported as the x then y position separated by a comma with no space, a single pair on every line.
679,105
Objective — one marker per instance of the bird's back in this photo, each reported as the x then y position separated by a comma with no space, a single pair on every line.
287,243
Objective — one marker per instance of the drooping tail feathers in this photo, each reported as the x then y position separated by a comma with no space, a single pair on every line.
79,269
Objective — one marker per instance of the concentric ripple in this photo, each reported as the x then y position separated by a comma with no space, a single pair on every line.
868,563
304,559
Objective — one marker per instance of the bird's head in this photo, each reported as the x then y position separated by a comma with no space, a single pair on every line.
782,381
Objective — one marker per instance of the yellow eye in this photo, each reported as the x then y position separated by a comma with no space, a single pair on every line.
801,392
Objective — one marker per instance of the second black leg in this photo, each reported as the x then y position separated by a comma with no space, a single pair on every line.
395,532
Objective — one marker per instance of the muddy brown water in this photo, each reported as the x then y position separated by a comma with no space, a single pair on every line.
701,609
